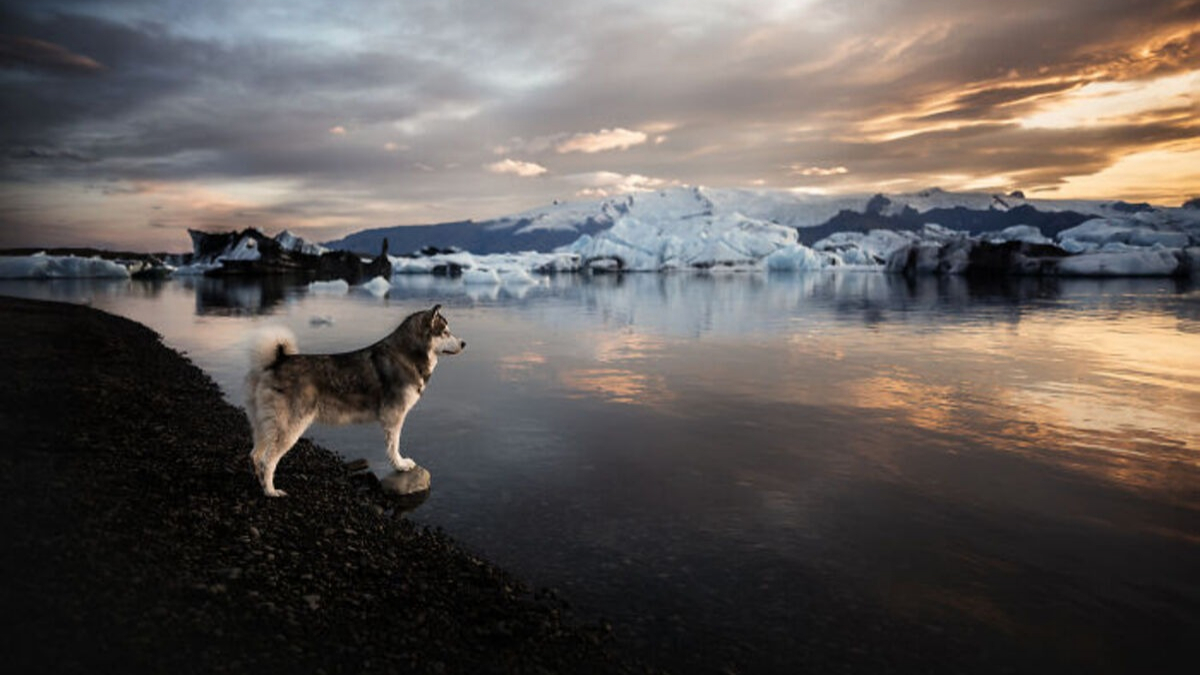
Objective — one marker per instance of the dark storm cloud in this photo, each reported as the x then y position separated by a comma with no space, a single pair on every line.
378,103
23,52
176,107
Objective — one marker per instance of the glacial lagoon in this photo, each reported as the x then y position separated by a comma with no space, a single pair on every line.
752,471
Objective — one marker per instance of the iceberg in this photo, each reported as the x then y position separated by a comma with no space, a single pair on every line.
335,287
1134,262
378,287
480,275
42,266
798,258
520,266
296,244
1023,233
868,249
1098,232
688,241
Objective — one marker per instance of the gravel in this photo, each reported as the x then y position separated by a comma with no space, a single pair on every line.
136,538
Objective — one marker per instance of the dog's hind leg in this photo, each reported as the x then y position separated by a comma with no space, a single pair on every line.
264,440
284,438
391,428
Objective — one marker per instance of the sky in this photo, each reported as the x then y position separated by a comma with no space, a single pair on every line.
125,122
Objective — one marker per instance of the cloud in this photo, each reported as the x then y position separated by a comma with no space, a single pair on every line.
903,93
49,154
800,170
605,139
338,130
516,167
608,183
17,51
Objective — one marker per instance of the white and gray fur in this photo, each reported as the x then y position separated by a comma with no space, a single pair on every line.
287,391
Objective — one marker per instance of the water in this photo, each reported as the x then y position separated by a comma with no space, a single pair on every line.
766,473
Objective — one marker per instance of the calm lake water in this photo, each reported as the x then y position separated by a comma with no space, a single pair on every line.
760,473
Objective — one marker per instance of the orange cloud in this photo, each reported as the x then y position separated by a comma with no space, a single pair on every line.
516,167
605,139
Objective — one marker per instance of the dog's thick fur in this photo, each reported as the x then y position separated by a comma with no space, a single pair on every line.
287,391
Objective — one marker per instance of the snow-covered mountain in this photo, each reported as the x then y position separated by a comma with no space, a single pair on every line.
815,217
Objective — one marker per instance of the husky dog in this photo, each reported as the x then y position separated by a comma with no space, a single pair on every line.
287,391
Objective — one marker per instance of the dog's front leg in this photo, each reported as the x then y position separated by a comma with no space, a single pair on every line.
392,430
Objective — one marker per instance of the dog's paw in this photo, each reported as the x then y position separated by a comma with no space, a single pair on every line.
275,493
404,464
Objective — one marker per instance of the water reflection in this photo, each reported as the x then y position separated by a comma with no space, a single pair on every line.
786,459
238,296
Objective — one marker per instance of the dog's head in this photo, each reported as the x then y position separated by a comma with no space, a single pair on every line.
440,338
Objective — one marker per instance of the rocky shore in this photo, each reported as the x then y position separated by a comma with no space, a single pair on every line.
136,538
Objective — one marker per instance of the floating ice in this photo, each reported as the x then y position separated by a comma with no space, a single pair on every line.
377,287
480,276
799,257
696,241
42,266
1097,232
1026,233
1129,263
335,287
870,249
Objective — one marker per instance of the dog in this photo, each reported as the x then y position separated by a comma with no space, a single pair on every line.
287,391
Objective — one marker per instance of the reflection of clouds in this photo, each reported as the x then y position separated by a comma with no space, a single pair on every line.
1112,397
515,367
617,385
627,346
921,404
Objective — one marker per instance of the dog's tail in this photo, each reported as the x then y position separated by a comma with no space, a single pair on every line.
268,346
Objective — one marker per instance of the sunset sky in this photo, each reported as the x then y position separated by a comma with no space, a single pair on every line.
126,121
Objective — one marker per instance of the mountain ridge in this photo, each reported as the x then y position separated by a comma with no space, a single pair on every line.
546,228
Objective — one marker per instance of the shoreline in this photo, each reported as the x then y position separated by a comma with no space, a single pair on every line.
137,538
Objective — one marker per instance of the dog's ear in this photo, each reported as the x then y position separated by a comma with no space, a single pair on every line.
436,309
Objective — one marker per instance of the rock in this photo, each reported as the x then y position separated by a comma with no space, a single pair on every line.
356,465
404,483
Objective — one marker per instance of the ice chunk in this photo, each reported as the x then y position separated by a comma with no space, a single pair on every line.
480,276
1026,233
797,258
377,287
699,240
291,242
335,287
872,249
516,276
1134,262
1101,231
245,249
41,266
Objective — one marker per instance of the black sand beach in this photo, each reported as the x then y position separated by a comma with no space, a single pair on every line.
136,538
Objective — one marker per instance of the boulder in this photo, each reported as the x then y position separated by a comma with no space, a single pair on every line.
405,483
